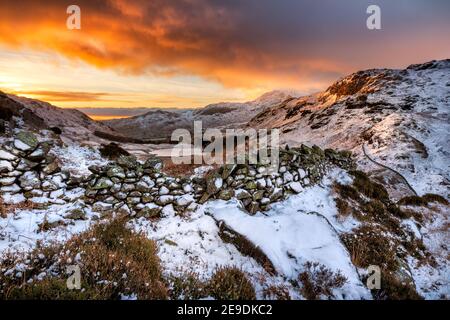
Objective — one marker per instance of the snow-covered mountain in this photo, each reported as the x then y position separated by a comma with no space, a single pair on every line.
42,115
160,123
401,117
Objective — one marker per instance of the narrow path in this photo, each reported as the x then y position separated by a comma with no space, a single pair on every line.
390,169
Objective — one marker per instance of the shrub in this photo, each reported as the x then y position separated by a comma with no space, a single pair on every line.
368,246
48,289
371,189
346,191
375,211
113,261
430,197
394,289
230,283
112,151
412,201
279,292
187,286
3,211
318,281
342,207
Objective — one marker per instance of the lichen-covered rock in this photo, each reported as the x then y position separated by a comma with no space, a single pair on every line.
103,183
214,183
296,187
116,171
30,180
7,181
163,200
258,195
242,194
164,190
51,168
37,155
153,163
253,207
129,162
226,194
149,211
227,170
26,141
76,214
14,188
251,185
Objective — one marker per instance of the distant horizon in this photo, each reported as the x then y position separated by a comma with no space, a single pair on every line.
117,112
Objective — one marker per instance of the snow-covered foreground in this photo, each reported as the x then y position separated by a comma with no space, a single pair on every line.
297,230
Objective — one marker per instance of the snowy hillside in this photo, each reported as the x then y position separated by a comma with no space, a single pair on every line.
402,117
161,123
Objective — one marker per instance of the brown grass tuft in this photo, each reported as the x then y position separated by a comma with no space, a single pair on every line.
318,281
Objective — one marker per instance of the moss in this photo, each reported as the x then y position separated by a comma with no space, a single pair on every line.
230,283
28,138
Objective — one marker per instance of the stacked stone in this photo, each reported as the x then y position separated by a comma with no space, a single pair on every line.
139,189
257,187
27,168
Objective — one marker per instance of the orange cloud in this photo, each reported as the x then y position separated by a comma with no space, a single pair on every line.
64,96
248,44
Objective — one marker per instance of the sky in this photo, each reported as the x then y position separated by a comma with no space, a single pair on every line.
189,53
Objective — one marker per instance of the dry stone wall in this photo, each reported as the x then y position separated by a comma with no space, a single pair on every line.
28,169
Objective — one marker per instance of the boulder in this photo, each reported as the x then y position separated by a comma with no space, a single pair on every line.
296,187
5,166
103,183
214,183
5,155
153,163
116,171
51,168
30,180
129,162
26,141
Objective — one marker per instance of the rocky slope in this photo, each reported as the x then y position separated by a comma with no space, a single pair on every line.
402,117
